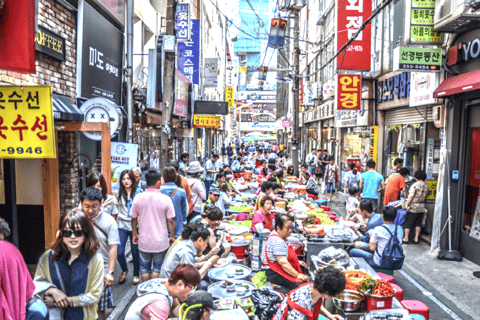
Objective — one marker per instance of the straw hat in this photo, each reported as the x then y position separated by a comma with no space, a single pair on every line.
194,167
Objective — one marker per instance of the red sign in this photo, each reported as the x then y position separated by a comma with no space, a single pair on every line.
349,91
300,91
181,94
351,15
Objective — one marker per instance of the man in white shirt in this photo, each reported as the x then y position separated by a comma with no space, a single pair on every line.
210,171
311,161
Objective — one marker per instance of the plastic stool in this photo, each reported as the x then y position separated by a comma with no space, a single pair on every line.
417,317
386,277
385,271
398,292
326,208
416,307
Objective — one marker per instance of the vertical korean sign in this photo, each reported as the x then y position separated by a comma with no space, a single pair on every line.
300,91
349,91
181,94
26,122
229,97
182,22
188,59
351,15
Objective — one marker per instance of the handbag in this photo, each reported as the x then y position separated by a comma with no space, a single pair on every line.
191,204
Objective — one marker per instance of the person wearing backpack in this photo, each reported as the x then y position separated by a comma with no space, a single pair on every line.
385,243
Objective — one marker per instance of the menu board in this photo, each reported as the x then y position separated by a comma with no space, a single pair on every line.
475,232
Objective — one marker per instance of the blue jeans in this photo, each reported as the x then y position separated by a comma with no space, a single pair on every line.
367,256
208,184
124,235
147,259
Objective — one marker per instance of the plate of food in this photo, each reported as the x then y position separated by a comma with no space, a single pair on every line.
221,262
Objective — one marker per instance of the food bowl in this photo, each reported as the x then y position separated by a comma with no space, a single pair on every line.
241,290
348,300
231,289
221,262
230,274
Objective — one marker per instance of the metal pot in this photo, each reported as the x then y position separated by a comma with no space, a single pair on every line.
348,300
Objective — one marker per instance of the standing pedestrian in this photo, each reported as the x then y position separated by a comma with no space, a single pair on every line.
110,202
311,161
416,206
237,146
395,183
229,150
324,162
178,196
370,183
106,231
210,171
397,164
126,194
183,164
151,212
137,172
332,174
352,177
198,190
181,180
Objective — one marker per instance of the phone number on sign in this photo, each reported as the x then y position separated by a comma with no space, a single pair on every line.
20,150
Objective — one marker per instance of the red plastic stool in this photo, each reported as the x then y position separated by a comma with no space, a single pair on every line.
326,208
312,196
386,277
416,307
398,292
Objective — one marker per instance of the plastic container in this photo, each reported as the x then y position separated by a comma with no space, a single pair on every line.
239,251
352,285
417,317
242,216
416,307
398,292
326,208
377,303
386,277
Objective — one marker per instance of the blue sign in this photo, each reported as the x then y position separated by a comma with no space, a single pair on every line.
182,22
188,61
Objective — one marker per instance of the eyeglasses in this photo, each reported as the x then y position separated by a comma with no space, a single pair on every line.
192,288
67,233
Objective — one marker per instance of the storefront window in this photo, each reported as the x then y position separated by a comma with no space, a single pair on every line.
356,145
404,141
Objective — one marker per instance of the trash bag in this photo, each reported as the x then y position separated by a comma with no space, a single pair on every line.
266,303
334,256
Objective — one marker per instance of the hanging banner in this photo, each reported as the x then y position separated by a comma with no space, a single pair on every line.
418,59
124,157
374,143
182,22
211,72
351,15
206,121
188,57
26,123
230,97
422,86
349,91
231,76
180,107
300,91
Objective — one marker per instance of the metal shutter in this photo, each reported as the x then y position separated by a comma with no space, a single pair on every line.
408,115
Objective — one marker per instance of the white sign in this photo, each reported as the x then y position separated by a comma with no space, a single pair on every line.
231,75
422,85
124,157
211,72
430,156
328,90
102,110
352,118
259,126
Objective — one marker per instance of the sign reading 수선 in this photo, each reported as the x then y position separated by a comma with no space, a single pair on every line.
206,121
26,122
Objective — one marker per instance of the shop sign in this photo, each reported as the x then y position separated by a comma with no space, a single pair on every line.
182,22
102,110
422,86
325,111
463,52
183,133
350,16
394,87
300,91
180,108
258,126
230,97
242,69
100,61
124,157
286,123
153,118
374,143
424,35
418,59
26,122
430,154
419,23
211,72
328,90
188,56
231,75
257,96
50,44
432,186
422,16
206,121
352,118
349,91
423,3
210,107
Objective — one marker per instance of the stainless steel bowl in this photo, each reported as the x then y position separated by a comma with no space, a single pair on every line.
348,300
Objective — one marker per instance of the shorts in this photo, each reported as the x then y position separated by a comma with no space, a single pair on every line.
222,250
106,301
149,258
330,187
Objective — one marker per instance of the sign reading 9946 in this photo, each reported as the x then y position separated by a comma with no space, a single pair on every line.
26,122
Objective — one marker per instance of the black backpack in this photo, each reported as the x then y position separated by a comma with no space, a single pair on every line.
392,257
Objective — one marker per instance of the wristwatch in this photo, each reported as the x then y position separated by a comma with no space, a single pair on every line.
111,272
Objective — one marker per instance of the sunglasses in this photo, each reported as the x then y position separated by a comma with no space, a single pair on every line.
77,233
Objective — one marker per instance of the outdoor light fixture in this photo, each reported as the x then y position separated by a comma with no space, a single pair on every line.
276,37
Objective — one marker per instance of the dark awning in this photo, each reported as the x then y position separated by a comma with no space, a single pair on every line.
64,109
459,84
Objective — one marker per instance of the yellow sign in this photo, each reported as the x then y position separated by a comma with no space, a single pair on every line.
199,147
374,143
230,97
206,121
26,122
242,69
300,107
432,185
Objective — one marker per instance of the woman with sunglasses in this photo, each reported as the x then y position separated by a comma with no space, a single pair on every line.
71,273
128,190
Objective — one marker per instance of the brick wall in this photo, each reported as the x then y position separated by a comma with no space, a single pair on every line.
59,75
68,170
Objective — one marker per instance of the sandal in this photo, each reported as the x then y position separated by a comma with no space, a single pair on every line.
123,276
136,280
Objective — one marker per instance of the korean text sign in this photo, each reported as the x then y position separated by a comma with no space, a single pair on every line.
182,22
26,122
230,97
188,60
349,91
351,15
206,121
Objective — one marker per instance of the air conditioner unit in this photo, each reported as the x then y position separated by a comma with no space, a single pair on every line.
455,16
321,19
283,5
299,4
438,113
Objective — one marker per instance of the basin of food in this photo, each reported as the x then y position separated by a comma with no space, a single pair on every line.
221,262
348,300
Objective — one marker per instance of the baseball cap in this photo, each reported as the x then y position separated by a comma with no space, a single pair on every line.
215,190
201,297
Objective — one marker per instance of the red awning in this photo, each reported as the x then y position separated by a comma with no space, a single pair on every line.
462,83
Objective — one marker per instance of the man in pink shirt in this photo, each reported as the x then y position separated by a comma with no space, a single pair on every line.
152,211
